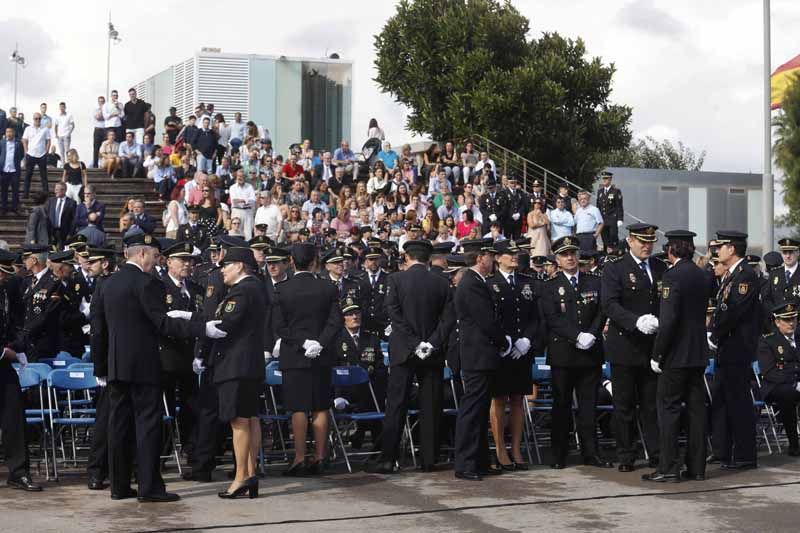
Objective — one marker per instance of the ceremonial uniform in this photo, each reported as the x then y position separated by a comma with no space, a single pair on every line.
373,287
196,234
517,205
609,202
493,205
43,303
97,464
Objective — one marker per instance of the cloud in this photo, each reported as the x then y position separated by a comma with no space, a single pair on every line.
643,15
40,76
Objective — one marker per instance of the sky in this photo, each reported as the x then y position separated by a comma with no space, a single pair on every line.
691,71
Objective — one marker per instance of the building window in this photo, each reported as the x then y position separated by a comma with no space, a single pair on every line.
325,88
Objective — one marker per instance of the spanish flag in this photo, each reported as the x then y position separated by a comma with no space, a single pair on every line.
781,78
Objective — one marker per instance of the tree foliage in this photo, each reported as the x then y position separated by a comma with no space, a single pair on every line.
467,66
652,153
787,151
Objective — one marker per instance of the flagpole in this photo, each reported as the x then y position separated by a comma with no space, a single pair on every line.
767,185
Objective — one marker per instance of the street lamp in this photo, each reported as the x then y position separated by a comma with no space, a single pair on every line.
18,61
113,36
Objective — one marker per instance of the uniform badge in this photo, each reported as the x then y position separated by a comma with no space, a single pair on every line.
776,280
230,306
632,276
368,355
344,346
561,291
611,196
37,310
780,350
743,287
209,291
665,292
148,239
169,299
496,288
527,293
77,287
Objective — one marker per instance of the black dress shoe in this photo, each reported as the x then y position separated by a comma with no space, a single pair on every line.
739,465
624,467
96,484
520,466
714,459
160,498
558,465
469,476
596,460
653,462
314,468
202,477
491,471
692,477
794,452
382,467
124,495
510,467
658,477
295,470
249,489
426,467
25,483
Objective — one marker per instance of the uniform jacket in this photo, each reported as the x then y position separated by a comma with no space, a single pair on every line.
736,325
517,203
215,291
177,353
493,206
568,312
373,299
481,336
368,355
132,310
43,301
416,302
777,290
346,287
681,338
626,295
778,362
517,306
98,339
197,235
610,204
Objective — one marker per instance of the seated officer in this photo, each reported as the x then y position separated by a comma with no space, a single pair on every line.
779,362
356,346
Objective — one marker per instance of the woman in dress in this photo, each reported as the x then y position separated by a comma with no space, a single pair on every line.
538,230
74,175
177,214
210,212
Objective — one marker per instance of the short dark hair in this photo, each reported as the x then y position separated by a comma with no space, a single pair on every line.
471,258
303,264
132,89
739,248
62,103
681,249
418,254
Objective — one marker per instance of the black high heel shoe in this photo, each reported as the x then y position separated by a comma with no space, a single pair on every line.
250,487
508,468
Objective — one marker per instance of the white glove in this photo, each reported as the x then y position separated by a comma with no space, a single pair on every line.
213,332
585,341
515,354
183,315
86,329
647,324
522,346
797,387
340,403
101,382
710,344
423,350
388,330
19,356
267,355
312,348
493,217
655,366
276,350
510,348
84,307
515,216
619,223
197,366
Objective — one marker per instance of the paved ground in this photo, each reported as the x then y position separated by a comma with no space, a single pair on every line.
576,499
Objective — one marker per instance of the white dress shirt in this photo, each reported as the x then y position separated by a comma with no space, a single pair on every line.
113,114
8,164
98,123
242,192
647,265
37,140
65,124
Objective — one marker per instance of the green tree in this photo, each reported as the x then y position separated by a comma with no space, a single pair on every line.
465,67
787,151
652,153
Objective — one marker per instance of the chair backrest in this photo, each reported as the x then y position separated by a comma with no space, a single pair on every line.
72,379
711,367
29,377
60,362
40,368
273,376
81,366
541,370
348,376
448,374
756,369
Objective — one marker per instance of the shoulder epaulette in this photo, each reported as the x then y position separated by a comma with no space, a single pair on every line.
554,276
767,335
595,274
776,268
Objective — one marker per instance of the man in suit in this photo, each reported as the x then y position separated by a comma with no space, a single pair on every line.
325,170
735,331
609,202
630,296
11,155
482,342
779,364
89,206
574,319
61,213
416,302
680,355
494,207
132,309
141,219
334,261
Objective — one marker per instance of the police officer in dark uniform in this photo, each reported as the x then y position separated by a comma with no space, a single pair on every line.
417,302
630,297
334,263
735,332
494,206
609,202
538,193
439,257
71,320
680,355
43,302
517,305
482,344
571,308
779,364
212,253
277,267
258,245
12,408
193,232
517,209
373,290
783,284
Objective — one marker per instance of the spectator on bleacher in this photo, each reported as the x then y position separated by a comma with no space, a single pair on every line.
538,229
148,148
109,155
562,222
469,159
74,175
297,195
293,224
98,131
142,219
113,113
206,146
176,215
588,223
374,131
211,211
61,212
292,169
17,121
95,237
36,141
189,132
345,158
194,188
150,122
37,230
448,208
450,161
89,205
125,223
136,116
130,156
243,203
163,176
388,157
325,170
11,156
223,137
378,183
251,164
172,125
237,132
64,125
269,213
342,224
465,225
47,120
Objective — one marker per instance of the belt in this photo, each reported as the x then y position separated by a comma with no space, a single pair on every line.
248,207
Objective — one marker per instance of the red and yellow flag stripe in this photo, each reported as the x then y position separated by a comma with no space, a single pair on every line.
780,80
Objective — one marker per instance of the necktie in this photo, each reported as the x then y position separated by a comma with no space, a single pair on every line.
788,276
511,280
643,266
374,279
59,208
574,281
355,339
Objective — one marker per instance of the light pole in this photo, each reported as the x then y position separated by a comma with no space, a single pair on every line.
767,184
113,35
18,61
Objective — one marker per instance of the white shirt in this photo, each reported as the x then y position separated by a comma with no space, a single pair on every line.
271,216
733,267
587,219
98,123
40,274
791,271
647,265
576,275
242,192
8,164
507,275
237,130
181,284
113,113
37,140
64,124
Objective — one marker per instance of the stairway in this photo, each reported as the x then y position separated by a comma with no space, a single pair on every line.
113,193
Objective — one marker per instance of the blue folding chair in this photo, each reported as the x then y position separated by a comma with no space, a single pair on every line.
29,378
70,382
60,361
764,410
273,378
541,374
345,377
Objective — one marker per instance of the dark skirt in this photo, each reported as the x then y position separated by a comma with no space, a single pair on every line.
238,398
512,377
307,389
